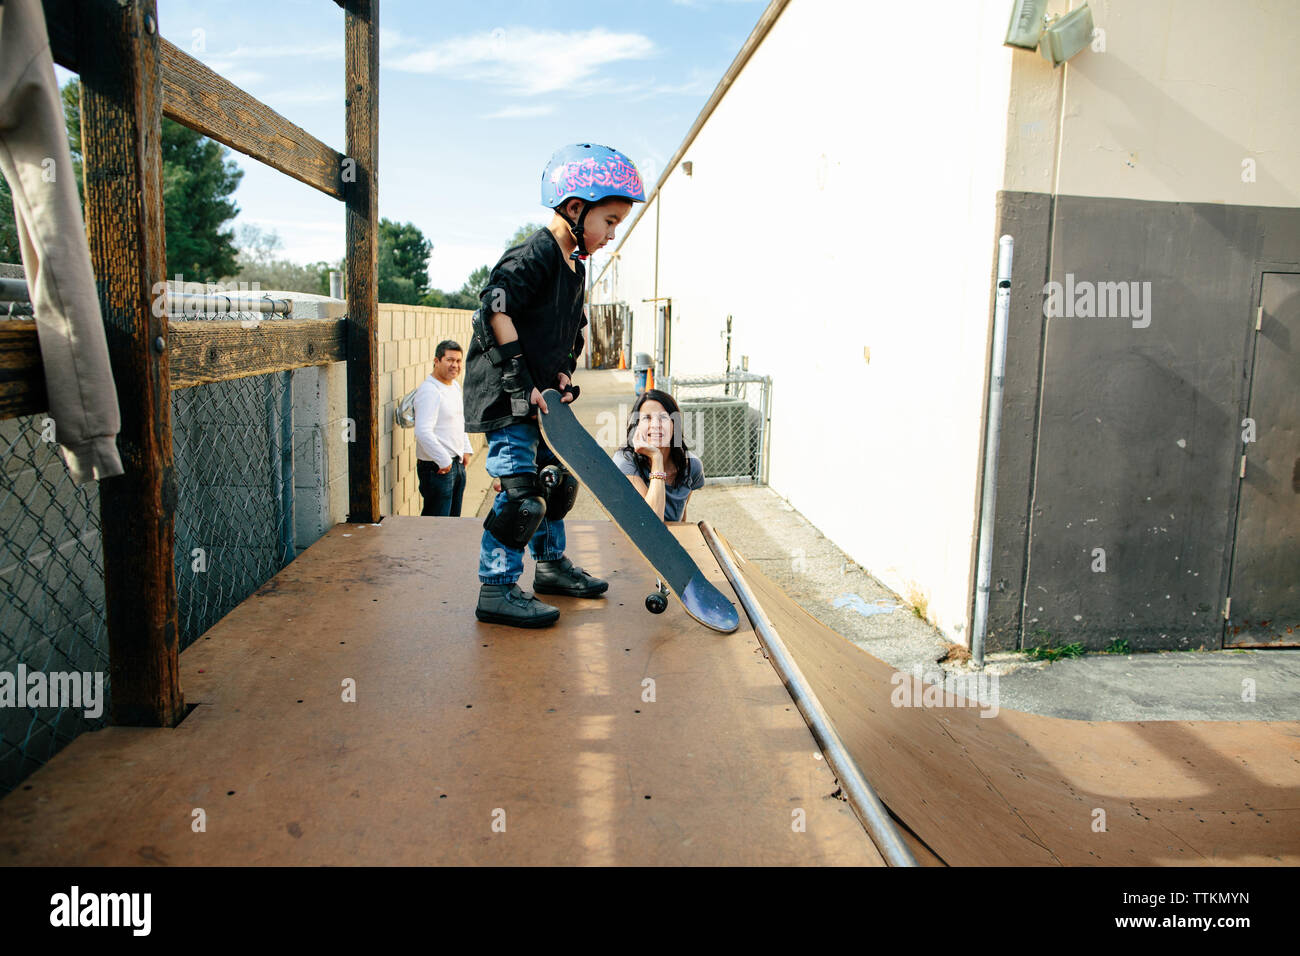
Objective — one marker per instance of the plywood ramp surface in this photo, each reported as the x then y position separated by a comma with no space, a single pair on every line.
457,725
1024,789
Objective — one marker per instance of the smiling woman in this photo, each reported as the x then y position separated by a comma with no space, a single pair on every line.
656,459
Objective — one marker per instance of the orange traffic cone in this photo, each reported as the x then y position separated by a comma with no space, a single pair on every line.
649,378
622,358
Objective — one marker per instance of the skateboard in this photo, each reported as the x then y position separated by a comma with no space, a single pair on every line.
580,453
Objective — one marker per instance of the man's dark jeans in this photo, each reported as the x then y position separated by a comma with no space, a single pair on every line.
441,493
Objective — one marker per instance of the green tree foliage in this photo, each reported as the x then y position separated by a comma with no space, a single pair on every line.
197,183
522,233
475,283
9,251
466,297
437,299
403,262
71,95
197,180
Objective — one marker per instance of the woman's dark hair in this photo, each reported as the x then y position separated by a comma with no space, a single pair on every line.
678,451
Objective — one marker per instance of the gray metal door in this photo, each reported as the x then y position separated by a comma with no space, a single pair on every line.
1264,587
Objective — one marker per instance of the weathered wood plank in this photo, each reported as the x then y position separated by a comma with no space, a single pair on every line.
22,376
207,102
201,352
361,185
220,350
121,115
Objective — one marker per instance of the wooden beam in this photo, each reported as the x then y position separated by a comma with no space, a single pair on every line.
201,352
22,376
361,185
207,102
121,116
208,350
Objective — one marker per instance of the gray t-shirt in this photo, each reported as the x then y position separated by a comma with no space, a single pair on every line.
675,494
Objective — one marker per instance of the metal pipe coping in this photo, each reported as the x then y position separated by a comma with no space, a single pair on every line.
871,812
218,303
17,290
14,290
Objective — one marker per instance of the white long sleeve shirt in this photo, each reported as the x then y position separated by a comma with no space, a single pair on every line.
440,422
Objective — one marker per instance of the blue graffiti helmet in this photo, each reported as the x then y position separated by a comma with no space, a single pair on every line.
591,173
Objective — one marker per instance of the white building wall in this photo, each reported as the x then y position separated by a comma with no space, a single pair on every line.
842,200
1169,104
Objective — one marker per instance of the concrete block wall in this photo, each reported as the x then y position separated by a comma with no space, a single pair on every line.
408,337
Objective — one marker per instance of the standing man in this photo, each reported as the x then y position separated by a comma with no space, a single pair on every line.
442,448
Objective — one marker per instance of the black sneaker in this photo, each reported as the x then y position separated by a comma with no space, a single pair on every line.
507,604
561,577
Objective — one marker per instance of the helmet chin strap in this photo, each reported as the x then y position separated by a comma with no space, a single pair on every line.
581,251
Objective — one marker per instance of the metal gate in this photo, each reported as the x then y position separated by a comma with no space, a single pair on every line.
610,327
725,420
1264,584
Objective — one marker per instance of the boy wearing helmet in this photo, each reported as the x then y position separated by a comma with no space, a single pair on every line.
527,338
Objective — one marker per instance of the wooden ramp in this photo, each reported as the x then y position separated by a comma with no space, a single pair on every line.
1023,789
456,726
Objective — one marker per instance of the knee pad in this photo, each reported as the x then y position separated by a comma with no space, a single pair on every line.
518,519
561,489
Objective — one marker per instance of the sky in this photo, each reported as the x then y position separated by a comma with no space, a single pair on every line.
473,99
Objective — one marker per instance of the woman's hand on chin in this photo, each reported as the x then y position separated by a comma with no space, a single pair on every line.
653,453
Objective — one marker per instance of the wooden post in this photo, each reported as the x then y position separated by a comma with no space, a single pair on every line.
121,115
361,191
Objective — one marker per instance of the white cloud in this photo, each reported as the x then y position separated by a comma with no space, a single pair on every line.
526,61
272,53
389,40
699,83
523,112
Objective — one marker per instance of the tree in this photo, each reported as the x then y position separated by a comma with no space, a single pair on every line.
522,233
197,183
259,264
9,251
466,297
257,246
403,262
475,283
197,180
71,96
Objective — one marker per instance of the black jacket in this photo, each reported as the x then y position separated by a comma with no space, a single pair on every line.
532,284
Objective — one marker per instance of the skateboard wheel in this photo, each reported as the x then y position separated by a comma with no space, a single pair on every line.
656,603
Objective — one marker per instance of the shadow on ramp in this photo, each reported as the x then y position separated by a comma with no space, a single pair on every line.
1021,789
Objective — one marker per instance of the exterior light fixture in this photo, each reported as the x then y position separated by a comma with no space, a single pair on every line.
1057,38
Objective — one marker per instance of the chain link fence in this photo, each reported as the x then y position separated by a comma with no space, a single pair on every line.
725,421
232,444
52,611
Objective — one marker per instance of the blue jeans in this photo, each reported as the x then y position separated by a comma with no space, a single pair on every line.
513,450
442,494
